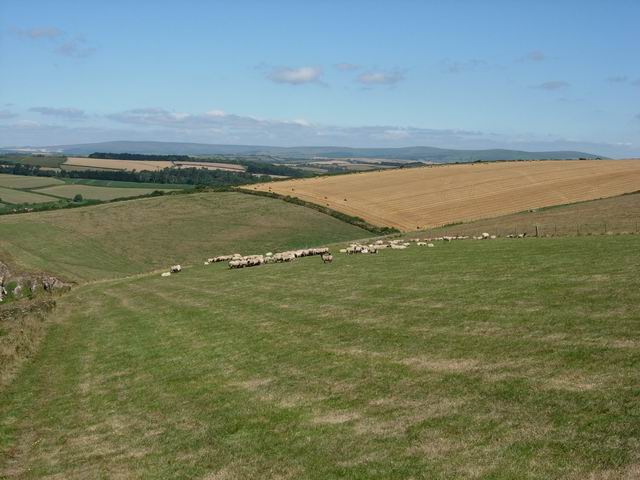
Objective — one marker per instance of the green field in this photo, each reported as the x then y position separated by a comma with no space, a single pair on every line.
23,181
8,195
94,193
119,184
486,360
141,235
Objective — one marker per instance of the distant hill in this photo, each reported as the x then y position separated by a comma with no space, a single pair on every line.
424,154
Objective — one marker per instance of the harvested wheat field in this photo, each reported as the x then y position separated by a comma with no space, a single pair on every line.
432,196
84,163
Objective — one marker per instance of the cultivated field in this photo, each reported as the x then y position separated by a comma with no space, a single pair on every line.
96,193
431,196
474,360
8,195
141,235
607,215
23,181
84,163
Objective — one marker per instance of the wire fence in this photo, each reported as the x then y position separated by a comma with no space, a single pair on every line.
542,229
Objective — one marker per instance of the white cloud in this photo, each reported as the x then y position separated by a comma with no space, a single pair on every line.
295,76
380,78
7,114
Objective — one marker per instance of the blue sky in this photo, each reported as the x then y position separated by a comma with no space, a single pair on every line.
460,74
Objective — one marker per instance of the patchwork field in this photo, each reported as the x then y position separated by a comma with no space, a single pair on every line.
481,360
96,193
431,196
84,163
23,181
8,195
131,237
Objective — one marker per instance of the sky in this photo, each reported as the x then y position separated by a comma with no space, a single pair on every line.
532,75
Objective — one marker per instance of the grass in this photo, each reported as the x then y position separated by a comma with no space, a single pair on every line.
616,215
27,182
95,193
130,237
119,184
488,360
8,195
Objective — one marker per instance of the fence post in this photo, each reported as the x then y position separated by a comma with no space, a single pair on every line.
536,230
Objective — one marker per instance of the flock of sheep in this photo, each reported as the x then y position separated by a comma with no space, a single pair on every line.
239,261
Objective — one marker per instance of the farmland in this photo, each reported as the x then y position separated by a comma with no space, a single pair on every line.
26,182
96,193
619,214
503,359
85,163
125,238
431,196
9,195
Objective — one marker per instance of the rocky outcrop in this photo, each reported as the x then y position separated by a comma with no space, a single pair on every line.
21,284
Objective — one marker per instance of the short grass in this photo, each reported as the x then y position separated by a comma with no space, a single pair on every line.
485,360
23,181
8,195
135,236
119,184
615,215
94,193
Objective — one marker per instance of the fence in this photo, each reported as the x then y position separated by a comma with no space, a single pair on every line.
541,229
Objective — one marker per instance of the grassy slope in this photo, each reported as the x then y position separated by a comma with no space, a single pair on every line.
141,235
493,360
93,192
620,214
9,195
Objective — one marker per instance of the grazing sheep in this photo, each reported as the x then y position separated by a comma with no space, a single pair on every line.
343,250
421,244
176,268
327,258
430,245
166,274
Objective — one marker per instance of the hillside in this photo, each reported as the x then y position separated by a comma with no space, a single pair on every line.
428,154
419,198
141,235
619,214
487,360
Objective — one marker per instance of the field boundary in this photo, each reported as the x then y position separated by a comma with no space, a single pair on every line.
356,221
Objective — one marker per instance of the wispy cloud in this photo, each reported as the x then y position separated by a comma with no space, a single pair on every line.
68,113
552,85
295,76
347,67
63,44
4,114
460,66
636,82
617,79
38,33
533,56
380,77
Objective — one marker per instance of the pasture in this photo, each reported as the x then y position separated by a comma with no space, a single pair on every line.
126,238
485,360
9,195
433,196
96,193
27,182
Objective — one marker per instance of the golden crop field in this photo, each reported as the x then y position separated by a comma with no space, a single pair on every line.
432,196
84,163
109,164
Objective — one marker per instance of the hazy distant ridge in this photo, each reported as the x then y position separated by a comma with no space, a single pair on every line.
433,154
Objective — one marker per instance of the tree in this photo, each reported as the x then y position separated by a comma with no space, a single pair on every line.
78,198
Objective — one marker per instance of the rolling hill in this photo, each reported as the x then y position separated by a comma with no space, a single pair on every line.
419,198
425,154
